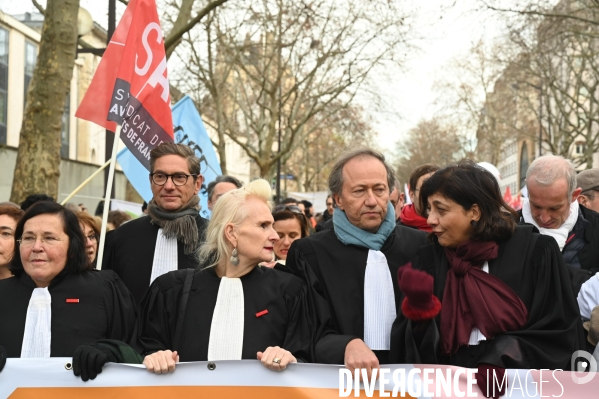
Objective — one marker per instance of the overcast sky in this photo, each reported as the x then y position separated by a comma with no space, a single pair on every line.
444,29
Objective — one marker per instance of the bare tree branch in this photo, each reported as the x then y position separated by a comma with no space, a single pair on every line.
543,14
175,36
39,7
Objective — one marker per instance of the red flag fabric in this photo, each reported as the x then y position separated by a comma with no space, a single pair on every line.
130,86
517,203
507,197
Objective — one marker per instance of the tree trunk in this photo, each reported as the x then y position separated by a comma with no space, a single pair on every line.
38,159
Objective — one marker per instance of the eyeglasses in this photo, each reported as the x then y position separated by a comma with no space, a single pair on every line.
329,204
178,179
93,238
29,241
292,208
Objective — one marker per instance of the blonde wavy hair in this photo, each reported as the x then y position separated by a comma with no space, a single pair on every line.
230,209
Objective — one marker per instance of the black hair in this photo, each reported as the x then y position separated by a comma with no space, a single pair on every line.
222,179
467,184
77,259
33,198
300,217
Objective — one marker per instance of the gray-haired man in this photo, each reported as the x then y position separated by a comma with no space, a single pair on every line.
553,208
351,270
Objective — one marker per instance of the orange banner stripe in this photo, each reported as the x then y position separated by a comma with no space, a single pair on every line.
185,392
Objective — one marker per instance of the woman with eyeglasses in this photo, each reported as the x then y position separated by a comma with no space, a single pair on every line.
290,224
55,303
91,232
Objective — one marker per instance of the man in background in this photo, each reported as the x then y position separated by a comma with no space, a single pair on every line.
219,186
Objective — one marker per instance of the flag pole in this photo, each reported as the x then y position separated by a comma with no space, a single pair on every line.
117,135
75,191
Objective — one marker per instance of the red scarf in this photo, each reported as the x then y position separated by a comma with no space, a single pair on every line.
474,298
410,217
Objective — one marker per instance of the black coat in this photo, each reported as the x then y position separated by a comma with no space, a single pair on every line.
130,253
531,265
588,255
334,273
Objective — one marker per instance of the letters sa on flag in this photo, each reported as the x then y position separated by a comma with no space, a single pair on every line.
130,86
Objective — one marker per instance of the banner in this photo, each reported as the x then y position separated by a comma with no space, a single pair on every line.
130,86
189,129
248,379
133,209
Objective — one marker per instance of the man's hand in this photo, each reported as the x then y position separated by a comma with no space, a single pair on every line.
161,362
359,356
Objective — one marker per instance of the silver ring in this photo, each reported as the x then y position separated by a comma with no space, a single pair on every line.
68,366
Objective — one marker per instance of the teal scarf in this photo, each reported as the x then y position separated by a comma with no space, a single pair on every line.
348,234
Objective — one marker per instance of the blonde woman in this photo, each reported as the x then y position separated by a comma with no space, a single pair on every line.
232,309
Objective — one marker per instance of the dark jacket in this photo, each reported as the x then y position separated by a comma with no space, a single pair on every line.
326,216
586,263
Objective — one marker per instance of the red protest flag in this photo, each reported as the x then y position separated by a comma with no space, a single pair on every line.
507,197
130,86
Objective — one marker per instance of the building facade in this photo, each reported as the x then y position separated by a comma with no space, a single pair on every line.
83,142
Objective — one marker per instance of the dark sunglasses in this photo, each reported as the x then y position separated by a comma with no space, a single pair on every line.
292,208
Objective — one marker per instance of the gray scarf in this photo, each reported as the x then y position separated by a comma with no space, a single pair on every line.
181,224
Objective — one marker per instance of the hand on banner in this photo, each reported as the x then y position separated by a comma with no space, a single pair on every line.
276,358
420,303
161,362
88,361
2,357
359,356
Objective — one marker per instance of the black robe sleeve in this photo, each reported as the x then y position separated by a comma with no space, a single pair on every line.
121,310
297,337
328,346
158,315
551,335
287,323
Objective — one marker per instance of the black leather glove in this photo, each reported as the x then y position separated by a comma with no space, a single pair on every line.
3,357
88,361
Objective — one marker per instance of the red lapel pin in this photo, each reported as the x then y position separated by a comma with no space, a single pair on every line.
262,313
72,300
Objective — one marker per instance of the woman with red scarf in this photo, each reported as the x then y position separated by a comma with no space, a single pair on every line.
411,214
486,293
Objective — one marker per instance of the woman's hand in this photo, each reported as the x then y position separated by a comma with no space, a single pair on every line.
276,358
419,303
161,362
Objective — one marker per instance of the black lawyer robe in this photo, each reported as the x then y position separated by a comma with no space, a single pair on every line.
282,295
536,272
334,273
130,253
106,310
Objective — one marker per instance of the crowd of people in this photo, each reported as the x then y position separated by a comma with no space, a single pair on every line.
454,277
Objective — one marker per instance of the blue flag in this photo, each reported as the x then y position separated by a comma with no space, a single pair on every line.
189,129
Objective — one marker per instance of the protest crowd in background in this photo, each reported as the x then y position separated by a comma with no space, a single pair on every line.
377,284
445,270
